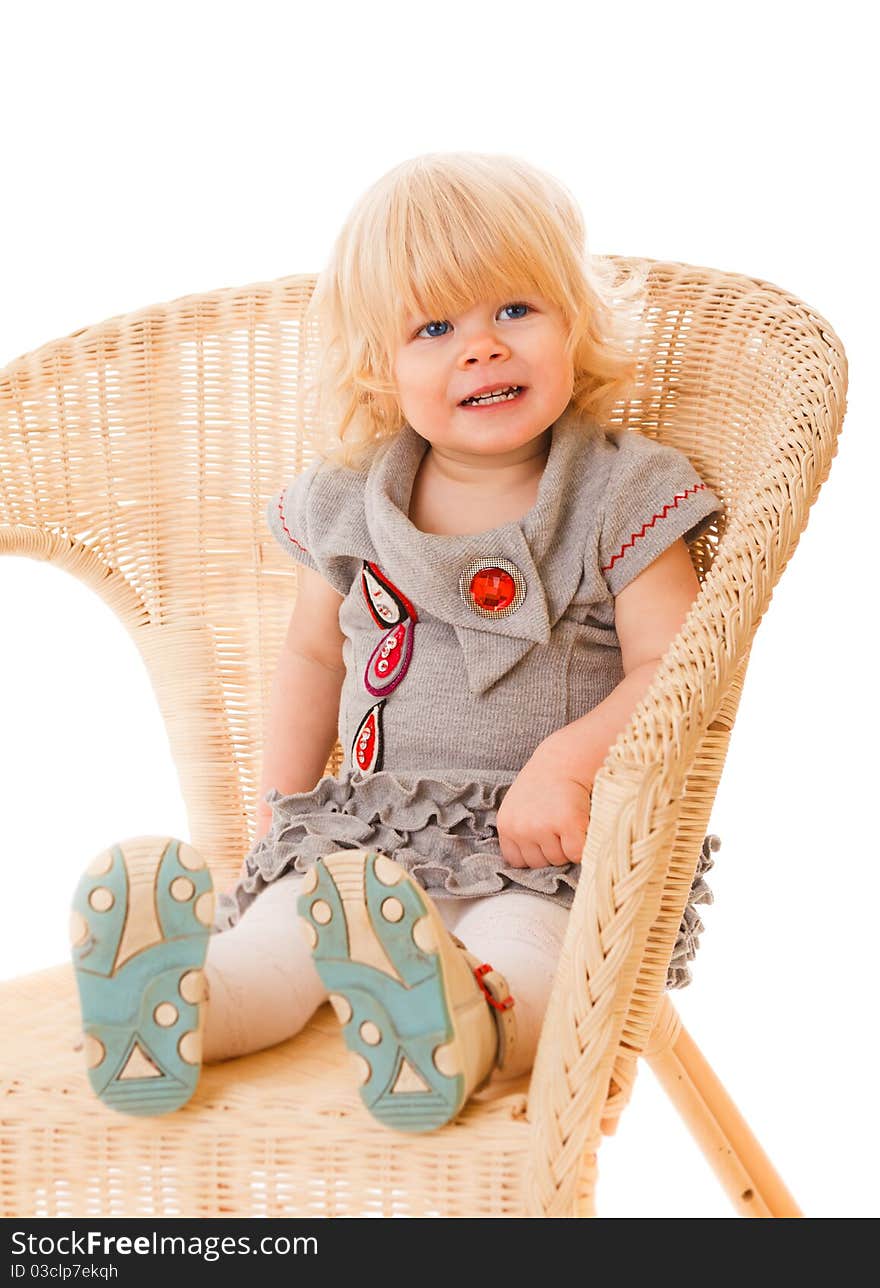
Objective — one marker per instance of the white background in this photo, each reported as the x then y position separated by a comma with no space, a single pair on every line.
154,151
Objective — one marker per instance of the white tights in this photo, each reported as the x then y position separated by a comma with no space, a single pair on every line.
263,985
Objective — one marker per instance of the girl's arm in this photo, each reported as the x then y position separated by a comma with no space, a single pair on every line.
304,707
302,728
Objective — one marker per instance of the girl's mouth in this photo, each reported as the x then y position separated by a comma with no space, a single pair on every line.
492,402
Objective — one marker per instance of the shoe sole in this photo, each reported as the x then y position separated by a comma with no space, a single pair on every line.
377,948
140,924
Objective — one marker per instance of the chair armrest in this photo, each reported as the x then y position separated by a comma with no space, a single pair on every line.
627,910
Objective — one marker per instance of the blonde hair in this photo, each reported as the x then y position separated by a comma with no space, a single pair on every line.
430,237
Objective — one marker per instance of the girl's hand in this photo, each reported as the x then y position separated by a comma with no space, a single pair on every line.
544,816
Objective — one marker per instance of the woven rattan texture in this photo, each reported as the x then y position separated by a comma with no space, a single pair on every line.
139,455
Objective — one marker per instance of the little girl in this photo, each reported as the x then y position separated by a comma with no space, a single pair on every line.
488,580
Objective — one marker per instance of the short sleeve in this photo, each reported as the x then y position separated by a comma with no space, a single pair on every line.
287,516
653,496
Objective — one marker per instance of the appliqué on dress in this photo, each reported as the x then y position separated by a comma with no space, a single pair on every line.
388,663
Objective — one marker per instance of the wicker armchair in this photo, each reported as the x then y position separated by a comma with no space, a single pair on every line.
139,455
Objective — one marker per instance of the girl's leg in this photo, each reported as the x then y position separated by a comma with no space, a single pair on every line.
521,936
263,986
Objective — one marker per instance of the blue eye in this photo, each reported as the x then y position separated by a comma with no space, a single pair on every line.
427,324
528,307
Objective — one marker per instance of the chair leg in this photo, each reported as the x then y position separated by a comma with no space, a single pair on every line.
749,1178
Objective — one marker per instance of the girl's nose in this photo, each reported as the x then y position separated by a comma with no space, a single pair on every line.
481,349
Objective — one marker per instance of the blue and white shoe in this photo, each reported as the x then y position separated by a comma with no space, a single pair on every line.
410,997
139,928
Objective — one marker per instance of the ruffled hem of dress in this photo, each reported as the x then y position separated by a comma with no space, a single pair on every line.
438,812
413,818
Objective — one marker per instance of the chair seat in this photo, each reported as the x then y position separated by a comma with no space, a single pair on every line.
282,1132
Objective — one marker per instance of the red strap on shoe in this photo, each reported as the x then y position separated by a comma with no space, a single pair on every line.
506,1003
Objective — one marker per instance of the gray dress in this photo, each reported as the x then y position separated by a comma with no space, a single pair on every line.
462,653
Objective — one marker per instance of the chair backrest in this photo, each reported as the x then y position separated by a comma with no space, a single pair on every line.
140,454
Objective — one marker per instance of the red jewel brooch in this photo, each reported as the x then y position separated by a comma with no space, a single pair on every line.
492,587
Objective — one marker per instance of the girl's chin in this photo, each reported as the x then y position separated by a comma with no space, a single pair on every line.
490,443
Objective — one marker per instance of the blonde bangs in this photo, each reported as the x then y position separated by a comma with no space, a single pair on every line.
462,246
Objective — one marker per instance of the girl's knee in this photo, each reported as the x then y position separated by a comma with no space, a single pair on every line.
525,921
263,985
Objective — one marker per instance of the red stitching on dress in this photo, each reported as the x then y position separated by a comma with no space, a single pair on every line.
661,514
285,527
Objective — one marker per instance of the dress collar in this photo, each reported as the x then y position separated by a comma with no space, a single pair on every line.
543,544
